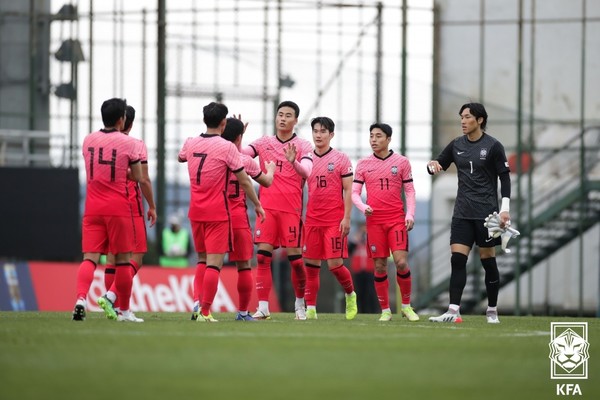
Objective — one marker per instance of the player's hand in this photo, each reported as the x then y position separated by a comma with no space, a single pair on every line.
291,152
152,216
433,167
260,212
345,227
239,117
270,167
409,224
504,219
368,211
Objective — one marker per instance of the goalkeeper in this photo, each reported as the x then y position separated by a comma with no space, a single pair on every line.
480,161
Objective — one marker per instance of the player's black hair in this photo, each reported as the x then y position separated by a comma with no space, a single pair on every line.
129,117
112,110
290,104
384,127
325,122
214,113
233,129
478,111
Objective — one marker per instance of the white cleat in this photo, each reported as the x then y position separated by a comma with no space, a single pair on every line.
261,315
492,317
128,317
301,313
448,317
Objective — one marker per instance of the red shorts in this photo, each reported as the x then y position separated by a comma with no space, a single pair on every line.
107,234
324,243
280,229
383,238
243,246
212,237
141,243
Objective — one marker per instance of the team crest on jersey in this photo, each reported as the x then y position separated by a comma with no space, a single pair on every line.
394,170
483,154
330,167
304,249
373,248
258,233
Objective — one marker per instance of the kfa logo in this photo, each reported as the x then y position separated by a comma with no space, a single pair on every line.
394,170
330,167
569,350
483,154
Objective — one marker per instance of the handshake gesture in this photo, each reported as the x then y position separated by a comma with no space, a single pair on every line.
497,229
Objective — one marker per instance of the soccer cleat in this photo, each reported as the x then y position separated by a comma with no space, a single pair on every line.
386,316
79,313
409,313
311,313
351,307
108,307
195,312
492,317
301,313
206,318
128,317
247,317
261,315
447,317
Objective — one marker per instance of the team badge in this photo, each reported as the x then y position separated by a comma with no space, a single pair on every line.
258,233
330,167
394,170
483,154
373,248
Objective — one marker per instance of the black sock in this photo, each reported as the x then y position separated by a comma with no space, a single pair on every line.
492,280
458,277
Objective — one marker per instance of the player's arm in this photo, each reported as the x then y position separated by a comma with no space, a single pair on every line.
302,167
249,151
146,187
442,162
266,179
347,187
501,163
136,171
411,202
357,200
246,184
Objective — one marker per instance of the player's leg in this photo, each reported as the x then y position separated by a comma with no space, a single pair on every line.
198,238
243,249
398,240
265,236
312,248
378,249
487,254
336,249
462,237
291,230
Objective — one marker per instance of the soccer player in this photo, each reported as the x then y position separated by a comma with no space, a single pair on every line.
480,161
328,217
141,245
385,174
210,158
110,159
283,205
243,245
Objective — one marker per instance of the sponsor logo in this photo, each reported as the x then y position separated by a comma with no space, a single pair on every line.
459,152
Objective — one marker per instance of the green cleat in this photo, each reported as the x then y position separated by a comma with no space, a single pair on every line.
386,316
311,313
108,307
206,318
351,307
409,313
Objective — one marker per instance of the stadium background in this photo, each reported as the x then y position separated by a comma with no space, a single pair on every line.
534,64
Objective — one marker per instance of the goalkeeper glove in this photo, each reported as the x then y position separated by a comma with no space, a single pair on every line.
492,223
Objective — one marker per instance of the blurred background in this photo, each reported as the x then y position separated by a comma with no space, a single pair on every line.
535,65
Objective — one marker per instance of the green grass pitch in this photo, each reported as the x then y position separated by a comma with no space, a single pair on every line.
168,357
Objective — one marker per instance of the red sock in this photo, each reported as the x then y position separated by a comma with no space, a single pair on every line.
405,284
313,283
123,284
133,270
382,289
264,280
109,276
298,275
244,287
198,278
210,284
85,276
344,277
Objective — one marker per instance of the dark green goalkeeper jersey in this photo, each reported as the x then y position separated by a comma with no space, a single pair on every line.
478,163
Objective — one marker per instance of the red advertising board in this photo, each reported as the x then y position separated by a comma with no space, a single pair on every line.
155,289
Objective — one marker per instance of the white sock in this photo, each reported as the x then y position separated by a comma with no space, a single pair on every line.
405,305
492,309
299,302
386,310
263,306
244,313
111,296
454,308
81,302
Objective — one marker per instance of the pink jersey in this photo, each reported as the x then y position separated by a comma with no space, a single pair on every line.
325,190
383,179
135,193
209,159
237,196
107,156
285,194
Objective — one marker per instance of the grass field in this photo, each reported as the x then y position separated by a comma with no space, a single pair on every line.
48,356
